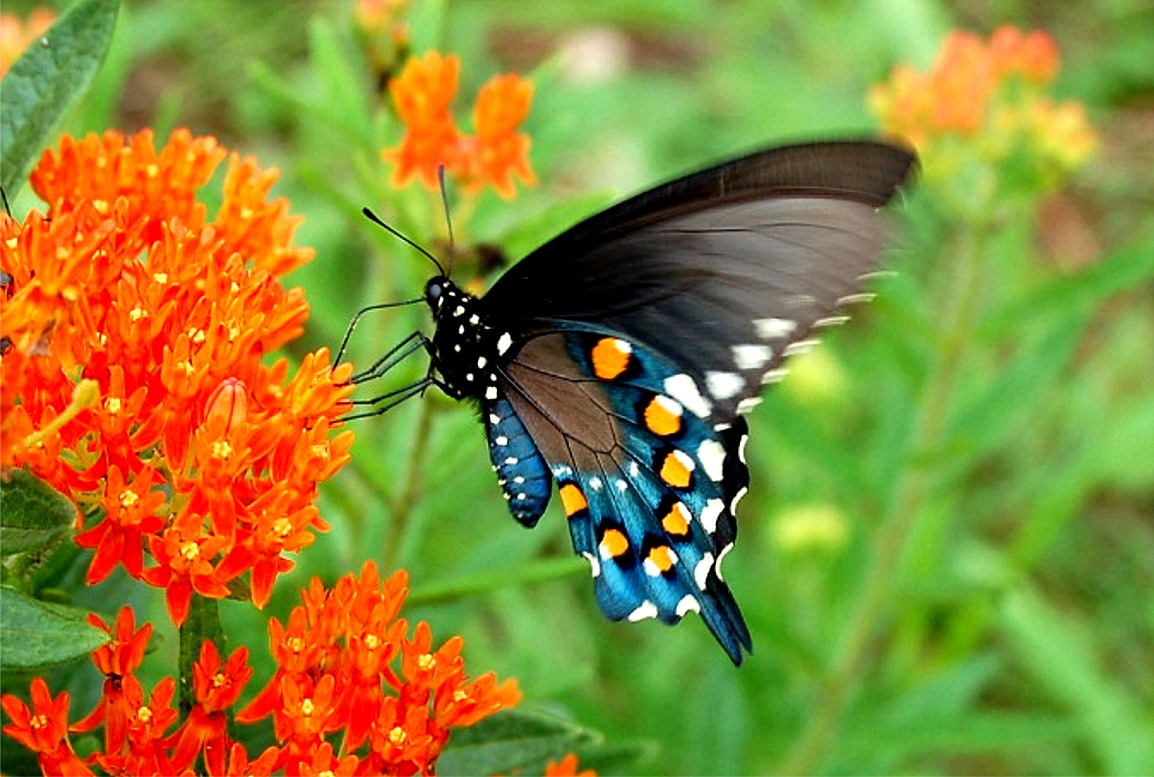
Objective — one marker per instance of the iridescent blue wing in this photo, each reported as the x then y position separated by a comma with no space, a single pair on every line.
648,488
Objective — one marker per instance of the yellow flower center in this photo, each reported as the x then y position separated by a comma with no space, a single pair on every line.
219,680
282,527
221,449
136,314
112,405
128,499
426,661
190,551
397,736
372,641
144,715
307,707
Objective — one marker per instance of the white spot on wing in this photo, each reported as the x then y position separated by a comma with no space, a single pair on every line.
501,440
773,376
831,321
751,357
801,346
595,483
701,570
683,388
711,454
504,343
491,393
741,447
721,557
724,385
747,404
594,563
774,328
688,603
737,498
710,513
647,610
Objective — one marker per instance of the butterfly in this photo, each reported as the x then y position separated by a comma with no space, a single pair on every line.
617,361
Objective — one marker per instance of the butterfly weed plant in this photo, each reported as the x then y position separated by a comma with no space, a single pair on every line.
948,533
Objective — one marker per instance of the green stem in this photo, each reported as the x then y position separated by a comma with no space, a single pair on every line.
402,507
900,519
202,623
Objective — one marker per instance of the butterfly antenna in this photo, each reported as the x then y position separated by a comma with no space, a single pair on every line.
373,217
448,218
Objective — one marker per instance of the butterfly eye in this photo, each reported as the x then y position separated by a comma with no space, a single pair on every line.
434,290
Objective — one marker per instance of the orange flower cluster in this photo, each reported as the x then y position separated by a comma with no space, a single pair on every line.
989,95
133,332
16,34
496,154
345,664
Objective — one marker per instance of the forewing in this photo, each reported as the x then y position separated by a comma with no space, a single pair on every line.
725,269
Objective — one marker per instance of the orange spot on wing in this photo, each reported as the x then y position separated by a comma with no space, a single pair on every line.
676,521
572,500
614,543
610,358
662,558
662,416
676,470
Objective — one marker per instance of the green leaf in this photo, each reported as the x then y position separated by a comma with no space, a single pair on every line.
35,515
47,79
1035,372
535,230
1059,654
515,741
1124,269
38,635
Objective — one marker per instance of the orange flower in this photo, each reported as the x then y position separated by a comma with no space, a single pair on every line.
116,660
496,155
986,101
17,34
217,688
189,444
43,729
567,767
499,152
422,94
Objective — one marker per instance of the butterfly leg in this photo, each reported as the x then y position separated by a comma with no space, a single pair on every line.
394,356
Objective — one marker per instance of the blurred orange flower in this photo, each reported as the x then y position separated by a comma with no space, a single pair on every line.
495,155
186,444
987,99
17,34
567,767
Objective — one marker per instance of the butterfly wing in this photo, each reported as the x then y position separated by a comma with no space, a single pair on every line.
644,332
647,488
723,269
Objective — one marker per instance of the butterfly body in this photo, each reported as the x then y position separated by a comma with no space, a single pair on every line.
617,361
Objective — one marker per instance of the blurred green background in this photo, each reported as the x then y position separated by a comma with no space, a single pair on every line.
945,569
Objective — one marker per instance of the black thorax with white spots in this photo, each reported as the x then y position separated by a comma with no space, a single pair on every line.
466,351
